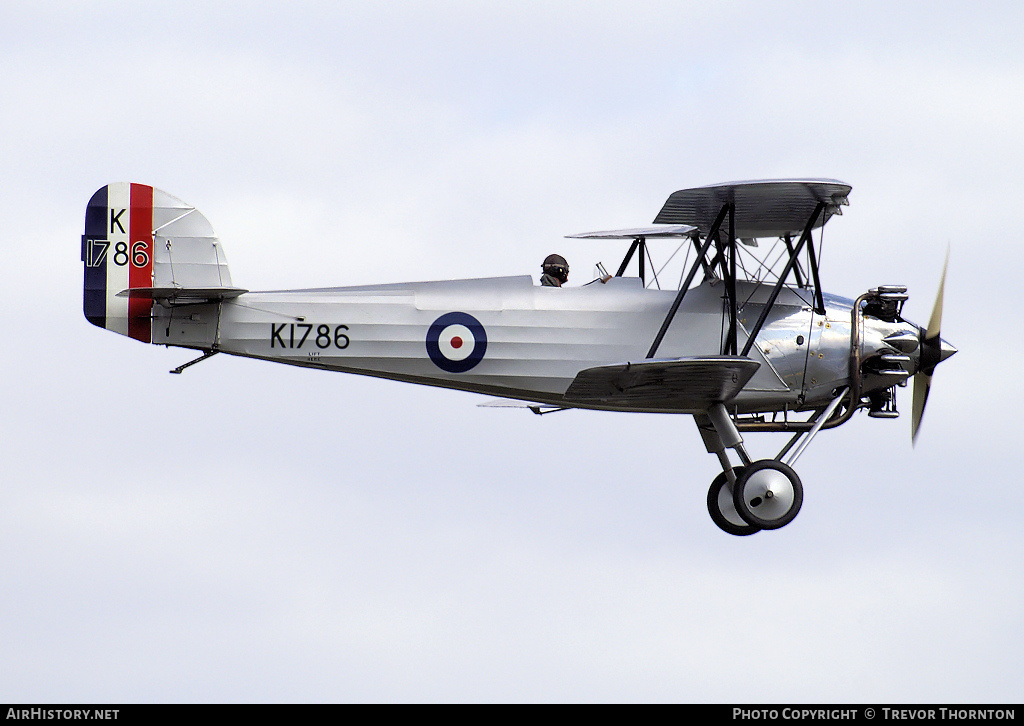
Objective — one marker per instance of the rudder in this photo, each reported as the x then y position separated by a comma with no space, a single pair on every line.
143,245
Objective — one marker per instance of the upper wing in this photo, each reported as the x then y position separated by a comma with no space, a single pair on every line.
686,384
768,208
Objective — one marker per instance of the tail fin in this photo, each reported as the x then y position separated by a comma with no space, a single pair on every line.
142,245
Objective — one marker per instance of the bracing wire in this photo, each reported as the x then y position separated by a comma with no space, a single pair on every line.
686,265
647,251
662,269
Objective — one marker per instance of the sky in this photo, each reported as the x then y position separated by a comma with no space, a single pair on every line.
247,532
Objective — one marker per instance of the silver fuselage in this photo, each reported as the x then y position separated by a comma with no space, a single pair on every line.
537,338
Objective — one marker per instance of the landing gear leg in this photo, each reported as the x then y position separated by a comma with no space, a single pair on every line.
764,494
719,433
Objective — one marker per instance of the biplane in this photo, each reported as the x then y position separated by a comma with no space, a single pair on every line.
748,341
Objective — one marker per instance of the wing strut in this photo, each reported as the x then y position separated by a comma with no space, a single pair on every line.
819,300
641,243
730,283
797,270
804,238
686,283
628,257
725,259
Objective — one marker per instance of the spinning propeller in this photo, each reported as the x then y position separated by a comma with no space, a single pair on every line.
934,350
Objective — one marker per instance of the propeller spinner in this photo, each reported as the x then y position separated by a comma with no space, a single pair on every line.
934,350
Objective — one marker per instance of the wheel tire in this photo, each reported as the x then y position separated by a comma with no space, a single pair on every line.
768,494
719,499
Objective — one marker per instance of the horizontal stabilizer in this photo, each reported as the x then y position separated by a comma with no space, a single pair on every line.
183,295
691,384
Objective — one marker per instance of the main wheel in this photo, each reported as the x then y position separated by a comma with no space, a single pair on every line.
768,494
722,509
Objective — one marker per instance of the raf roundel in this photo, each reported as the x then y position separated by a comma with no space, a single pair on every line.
456,342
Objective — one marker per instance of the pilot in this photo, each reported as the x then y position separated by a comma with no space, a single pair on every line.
556,271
